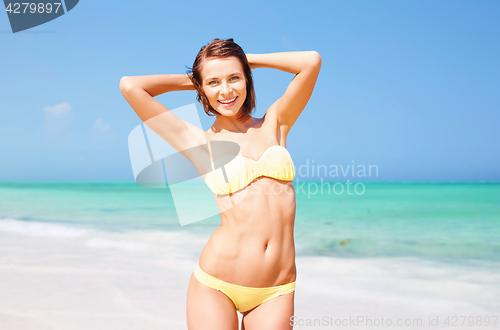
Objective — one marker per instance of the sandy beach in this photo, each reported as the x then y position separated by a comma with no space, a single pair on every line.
58,277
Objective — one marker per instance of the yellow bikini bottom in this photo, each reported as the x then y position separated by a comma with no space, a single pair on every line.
244,298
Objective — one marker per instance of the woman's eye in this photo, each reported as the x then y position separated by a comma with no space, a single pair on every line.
234,78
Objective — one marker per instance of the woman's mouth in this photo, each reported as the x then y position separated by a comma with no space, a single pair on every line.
228,102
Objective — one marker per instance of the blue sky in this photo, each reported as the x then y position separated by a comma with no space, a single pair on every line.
409,86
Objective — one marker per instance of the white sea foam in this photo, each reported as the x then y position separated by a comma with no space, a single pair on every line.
40,229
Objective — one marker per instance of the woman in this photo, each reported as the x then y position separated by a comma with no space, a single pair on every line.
249,262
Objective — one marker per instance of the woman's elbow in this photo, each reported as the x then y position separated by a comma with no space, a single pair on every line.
125,83
315,58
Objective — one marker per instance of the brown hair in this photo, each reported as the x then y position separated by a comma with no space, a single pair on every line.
220,48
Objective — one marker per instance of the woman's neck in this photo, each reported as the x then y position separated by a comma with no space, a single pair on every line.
231,124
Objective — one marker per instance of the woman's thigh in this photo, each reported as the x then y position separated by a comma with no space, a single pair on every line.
274,314
209,309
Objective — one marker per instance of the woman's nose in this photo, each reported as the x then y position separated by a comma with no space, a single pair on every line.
225,88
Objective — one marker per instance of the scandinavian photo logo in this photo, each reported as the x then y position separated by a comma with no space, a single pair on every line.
26,15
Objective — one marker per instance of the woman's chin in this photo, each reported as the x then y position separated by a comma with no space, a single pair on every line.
227,112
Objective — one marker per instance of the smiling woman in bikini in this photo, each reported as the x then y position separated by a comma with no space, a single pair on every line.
248,265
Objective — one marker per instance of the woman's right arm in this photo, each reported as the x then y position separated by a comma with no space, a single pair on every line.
139,91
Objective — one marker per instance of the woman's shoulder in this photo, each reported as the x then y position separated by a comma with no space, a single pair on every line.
270,118
270,124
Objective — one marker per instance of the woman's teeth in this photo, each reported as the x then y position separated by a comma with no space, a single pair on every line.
228,101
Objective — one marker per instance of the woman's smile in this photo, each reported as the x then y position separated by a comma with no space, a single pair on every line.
229,102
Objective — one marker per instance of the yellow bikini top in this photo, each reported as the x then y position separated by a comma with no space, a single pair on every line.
275,163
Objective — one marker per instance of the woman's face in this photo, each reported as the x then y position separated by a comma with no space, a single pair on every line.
224,84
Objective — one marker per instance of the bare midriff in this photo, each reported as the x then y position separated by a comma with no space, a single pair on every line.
254,245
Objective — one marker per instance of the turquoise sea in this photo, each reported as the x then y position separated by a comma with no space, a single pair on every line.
114,255
445,222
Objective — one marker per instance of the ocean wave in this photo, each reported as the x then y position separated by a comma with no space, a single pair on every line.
42,229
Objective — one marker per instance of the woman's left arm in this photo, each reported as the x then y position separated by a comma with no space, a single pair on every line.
305,66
